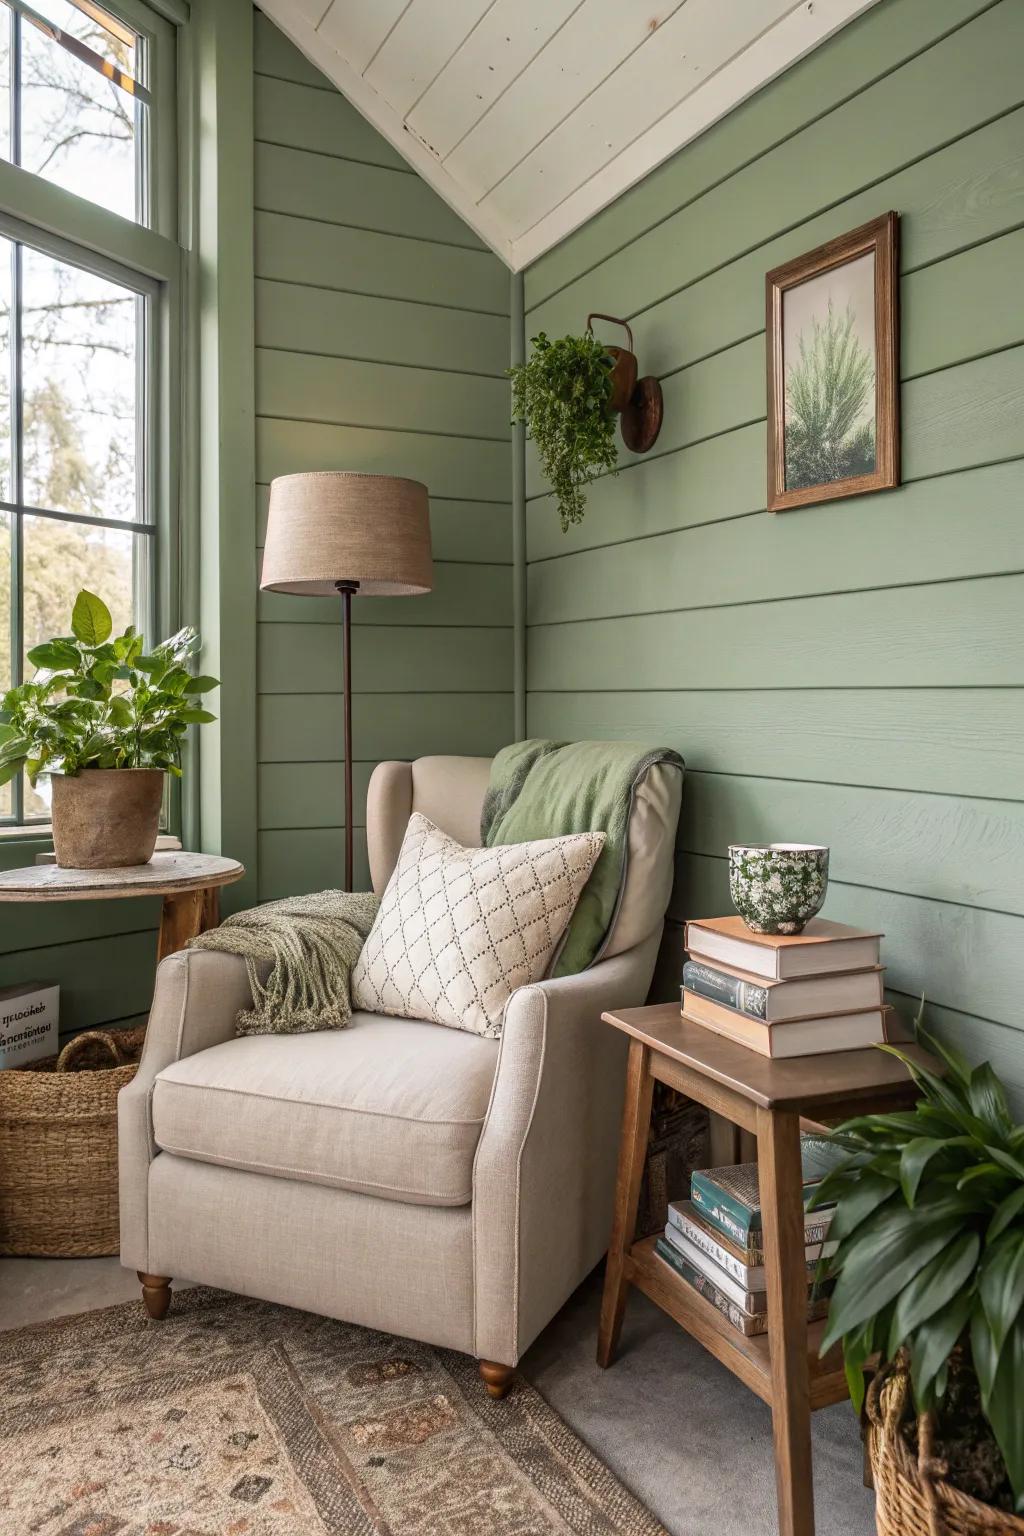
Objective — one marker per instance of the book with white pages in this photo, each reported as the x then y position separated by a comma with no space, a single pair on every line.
795,1037
822,947
776,1002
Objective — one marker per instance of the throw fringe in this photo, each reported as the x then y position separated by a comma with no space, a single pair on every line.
311,944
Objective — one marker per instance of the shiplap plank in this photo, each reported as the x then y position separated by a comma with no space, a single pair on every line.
451,467
927,535
418,48
357,28
296,182
964,634
478,532
307,727
673,61
351,392
967,192
968,415
490,59
462,595
366,262
30,925
310,794
951,89
276,55
944,847
946,741
306,658
301,318
299,117
294,863
965,958
100,979
870,48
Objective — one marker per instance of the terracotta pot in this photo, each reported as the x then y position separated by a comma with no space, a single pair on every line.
106,818
623,378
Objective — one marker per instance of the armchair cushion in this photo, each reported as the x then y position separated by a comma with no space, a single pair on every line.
388,1107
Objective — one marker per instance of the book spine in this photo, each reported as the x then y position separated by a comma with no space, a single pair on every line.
730,991
742,1231
719,1255
740,1320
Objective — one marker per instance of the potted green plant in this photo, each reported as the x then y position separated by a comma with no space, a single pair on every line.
106,720
929,1273
567,392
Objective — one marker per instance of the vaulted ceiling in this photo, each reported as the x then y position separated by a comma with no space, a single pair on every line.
528,116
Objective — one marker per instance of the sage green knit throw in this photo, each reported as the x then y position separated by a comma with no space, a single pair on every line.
310,944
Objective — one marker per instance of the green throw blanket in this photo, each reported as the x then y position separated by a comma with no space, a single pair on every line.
551,788
311,944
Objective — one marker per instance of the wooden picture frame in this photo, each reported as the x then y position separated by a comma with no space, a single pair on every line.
823,339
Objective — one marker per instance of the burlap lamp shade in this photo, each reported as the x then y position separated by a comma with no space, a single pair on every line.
334,526
335,533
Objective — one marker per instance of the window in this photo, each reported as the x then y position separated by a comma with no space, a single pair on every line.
87,328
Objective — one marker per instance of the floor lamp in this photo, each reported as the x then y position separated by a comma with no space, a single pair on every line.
338,533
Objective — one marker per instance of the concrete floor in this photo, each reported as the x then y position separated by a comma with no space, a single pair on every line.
674,1425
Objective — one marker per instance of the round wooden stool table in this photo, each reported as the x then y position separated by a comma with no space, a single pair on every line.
188,882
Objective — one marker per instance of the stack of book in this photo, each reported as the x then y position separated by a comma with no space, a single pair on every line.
714,1240
786,994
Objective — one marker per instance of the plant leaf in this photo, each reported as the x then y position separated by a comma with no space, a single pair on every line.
988,1098
914,1159
934,1339
1003,1409
57,655
933,1288
1001,1286
202,684
870,1192
1005,1213
883,1257
90,619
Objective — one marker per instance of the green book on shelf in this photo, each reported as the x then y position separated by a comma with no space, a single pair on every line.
729,1197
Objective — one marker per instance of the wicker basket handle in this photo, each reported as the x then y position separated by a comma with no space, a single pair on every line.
66,1058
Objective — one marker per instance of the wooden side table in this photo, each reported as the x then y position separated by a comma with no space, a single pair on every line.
768,1098
188,882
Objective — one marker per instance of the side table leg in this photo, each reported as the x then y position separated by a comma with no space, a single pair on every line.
636,1126
781,1187
180,920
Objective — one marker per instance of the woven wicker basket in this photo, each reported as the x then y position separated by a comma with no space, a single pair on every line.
911,1497
58,1147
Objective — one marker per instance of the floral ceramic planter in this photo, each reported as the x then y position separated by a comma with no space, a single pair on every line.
777,887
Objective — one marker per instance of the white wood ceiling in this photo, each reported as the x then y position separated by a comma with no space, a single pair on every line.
528,116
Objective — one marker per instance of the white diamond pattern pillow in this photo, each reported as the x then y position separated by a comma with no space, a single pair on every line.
459,929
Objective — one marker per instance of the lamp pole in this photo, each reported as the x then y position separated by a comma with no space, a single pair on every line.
347,589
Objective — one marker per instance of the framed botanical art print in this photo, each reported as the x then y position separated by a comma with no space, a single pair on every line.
832,328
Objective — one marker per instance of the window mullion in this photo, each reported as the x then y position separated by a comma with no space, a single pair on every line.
17,490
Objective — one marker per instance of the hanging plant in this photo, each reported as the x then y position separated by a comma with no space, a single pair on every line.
563,392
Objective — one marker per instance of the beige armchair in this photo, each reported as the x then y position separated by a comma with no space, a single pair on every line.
414,1179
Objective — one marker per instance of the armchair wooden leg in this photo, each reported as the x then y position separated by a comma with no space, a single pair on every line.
156,1294
497,1378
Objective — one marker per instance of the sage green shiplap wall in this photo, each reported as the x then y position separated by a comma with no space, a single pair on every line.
382,339
851,673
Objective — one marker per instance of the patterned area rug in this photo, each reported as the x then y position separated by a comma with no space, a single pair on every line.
237,1418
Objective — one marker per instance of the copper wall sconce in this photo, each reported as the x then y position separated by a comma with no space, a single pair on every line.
638,401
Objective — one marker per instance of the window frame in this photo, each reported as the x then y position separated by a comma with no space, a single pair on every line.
147,258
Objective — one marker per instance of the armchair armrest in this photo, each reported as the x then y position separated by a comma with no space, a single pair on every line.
545,1166
197,996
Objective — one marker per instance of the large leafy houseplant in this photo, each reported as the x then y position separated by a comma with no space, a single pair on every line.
930,1258
563,393
102,702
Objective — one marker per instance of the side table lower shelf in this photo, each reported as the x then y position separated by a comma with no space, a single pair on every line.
747,1358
